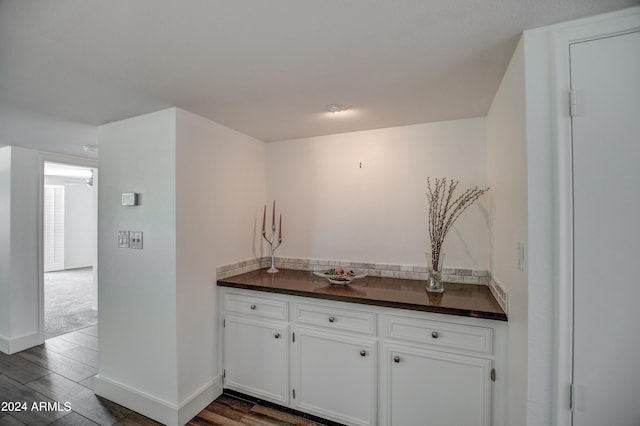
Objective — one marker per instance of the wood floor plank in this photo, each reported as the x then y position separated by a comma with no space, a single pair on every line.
58,363
229,410
280,416
20,369
214,419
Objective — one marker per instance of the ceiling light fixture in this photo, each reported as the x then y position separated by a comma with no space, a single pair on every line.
335,108
89,181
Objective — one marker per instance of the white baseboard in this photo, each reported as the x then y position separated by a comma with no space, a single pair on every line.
199,400
12,345
136,400
155,408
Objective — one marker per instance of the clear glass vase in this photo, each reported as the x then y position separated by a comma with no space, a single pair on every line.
434,282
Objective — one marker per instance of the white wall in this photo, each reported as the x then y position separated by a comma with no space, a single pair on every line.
5,247
507,171
220,187
201,187
19,324
334,209
137,292
541,258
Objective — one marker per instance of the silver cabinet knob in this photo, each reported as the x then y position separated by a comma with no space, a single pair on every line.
253,307
277,335
396,359
331,319
363,353
434,334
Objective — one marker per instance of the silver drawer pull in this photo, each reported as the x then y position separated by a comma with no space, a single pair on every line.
331,319
253,307
396,359
277,335
434,334
363,353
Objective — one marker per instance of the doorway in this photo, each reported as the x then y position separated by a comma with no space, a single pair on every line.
69,248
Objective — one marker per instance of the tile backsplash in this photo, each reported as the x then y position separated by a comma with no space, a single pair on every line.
498,292
411,272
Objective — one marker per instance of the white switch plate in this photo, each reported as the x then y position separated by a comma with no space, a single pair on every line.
136,239
123,239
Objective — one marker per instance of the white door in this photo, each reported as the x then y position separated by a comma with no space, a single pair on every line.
335,376
432,388
256,358
606,166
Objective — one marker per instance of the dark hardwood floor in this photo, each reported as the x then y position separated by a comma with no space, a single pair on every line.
63,370
229,410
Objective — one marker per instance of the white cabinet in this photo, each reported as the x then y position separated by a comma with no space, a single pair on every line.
266,377
432,388
256,348
364,365
335,376
335,363
438,373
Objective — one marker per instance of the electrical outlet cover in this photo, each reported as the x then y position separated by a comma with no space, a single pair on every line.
136,239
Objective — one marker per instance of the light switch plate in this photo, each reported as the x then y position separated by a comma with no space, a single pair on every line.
136,239
130,199
123,239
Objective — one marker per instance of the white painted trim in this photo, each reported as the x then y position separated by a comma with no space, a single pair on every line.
20,343
560,39
156,408
54,158
199,400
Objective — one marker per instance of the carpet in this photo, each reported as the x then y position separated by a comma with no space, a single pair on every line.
69,301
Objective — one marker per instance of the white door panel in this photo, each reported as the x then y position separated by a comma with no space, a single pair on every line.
256,356
606,177
335,376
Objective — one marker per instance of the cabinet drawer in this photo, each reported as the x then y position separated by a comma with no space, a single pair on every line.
256,306
440,334
336,318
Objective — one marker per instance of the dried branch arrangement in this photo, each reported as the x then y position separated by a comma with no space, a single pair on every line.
444,210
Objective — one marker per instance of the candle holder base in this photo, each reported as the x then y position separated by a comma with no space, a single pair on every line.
272,270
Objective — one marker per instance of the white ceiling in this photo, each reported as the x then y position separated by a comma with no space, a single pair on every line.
266,68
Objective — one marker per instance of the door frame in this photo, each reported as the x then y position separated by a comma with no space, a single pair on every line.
603,26
62,159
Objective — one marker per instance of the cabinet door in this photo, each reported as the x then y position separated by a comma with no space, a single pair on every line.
335,376
256,358
432,388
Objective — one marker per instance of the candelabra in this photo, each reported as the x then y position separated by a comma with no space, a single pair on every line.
273,245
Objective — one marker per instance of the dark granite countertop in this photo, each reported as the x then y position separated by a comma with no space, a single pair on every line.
467,300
